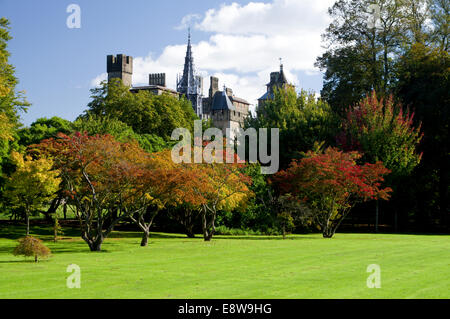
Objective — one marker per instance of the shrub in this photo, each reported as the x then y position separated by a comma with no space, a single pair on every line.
30,246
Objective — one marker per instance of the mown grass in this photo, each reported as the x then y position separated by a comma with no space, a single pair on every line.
173,266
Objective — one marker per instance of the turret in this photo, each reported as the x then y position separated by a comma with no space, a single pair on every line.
120,66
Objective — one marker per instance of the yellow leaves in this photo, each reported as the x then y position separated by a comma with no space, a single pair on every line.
33,182
6,128
148,197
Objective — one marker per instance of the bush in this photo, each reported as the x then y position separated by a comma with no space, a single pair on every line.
223,230
30,246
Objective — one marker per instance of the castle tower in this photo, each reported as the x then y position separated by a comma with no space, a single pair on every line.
157,79
189,84
277,80
120,66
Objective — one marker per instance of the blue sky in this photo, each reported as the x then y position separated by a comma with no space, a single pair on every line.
238,41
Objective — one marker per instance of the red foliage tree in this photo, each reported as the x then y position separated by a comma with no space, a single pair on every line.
99,175
330,183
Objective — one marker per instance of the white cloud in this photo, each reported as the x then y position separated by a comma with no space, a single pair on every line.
187,21
99,78
245,44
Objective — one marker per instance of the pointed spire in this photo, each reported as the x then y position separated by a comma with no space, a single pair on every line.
282,77
188,84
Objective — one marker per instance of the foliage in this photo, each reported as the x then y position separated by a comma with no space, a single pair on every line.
301,119
31,246
362,53
423,84
382,132
32,185
11,101
330,182
99,175
94,124
44,128
216,186
144,112
157,188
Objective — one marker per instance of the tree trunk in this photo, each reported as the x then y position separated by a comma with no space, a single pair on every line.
189,232
27,221
145,236
96,246
328,232
65,210
376,216
35,258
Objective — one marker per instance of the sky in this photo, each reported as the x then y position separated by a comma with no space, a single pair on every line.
240,42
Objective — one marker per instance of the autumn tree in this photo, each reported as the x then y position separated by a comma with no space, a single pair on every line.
217,183
330,183
32,185
157,188
98,173
31,247
382,131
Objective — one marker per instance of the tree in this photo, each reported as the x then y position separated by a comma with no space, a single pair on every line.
330,183
157,188
440,15
301,119
11,101
33,184
31,246
44,128
364,41
423,84
144,112
96,124
216,185
381,131
98,173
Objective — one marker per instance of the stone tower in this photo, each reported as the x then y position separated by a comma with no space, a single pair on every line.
120,66
277,80
190,84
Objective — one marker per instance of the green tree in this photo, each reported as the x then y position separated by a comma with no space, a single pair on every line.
11,100
94,124
423,83
302,120
43,128
364,41
32,185
144,112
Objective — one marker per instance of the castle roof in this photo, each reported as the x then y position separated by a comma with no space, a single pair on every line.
238,99
221,101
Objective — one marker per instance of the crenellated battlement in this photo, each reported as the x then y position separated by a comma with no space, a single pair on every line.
120,66
157,79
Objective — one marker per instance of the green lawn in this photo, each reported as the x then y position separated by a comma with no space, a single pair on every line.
302,266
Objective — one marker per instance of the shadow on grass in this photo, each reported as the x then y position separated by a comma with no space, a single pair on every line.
23,261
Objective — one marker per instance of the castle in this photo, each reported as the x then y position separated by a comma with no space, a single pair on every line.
226,110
